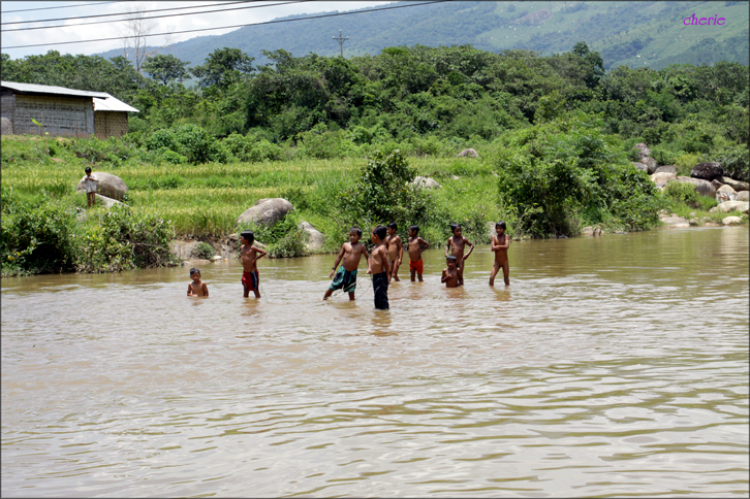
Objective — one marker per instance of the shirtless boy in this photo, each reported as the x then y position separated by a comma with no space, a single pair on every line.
346,276
416,246
500,244
456,245
379,268
250,255
450,274
395,250
197,287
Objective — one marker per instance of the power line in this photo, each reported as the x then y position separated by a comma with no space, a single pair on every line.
59,7
118,14
157,17
229,27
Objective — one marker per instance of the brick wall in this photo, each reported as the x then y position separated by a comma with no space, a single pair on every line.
58,115
110,124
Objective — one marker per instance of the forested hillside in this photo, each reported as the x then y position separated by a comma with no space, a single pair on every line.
635,33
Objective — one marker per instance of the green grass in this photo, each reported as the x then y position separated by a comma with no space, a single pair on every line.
206,199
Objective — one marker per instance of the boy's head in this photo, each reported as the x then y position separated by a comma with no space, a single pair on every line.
247,237
500,228
195,274
414,230
456,229
88,170
355,233
378,234
392,227
451,260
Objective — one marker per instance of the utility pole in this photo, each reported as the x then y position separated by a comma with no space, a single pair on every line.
341,43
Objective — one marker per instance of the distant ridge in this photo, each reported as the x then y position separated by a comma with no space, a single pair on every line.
638,34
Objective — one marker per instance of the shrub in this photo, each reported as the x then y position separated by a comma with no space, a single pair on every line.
204,251
290,246
682,193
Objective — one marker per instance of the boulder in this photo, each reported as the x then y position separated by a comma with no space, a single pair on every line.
643,150
426,183
707,171
468,153
593,230
675,222
109,185
702,187
737,185
725,193
667,169
640,166
742,196
661,178
266,211
107,202
727,206
651,165
315,240
731,221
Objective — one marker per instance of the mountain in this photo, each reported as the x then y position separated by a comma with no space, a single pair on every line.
638,34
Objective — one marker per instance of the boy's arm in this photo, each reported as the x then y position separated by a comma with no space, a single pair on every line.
471,248
205,289
423,245
387,265
367,257
505,244
338,259
400,251
444,277
494,247
447,247
260,252
190,290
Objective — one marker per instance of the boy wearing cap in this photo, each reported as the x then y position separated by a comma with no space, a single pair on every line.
250,254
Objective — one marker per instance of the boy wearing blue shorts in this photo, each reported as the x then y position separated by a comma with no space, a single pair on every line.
346,275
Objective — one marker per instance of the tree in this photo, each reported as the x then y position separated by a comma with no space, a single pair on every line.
166,68
223,67
134,33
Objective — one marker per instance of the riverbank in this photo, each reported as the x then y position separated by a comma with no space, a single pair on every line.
200,203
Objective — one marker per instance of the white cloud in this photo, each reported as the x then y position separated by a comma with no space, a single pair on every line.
49,37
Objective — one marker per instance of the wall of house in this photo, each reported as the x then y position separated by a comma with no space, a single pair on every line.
110,124
7,107
59,115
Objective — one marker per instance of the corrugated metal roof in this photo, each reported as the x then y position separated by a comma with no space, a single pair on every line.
112,104
33,88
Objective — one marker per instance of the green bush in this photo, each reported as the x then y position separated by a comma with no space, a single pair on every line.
204,251
169,156
290,246
682,193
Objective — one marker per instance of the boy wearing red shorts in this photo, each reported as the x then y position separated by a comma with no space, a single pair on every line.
416,246
249,255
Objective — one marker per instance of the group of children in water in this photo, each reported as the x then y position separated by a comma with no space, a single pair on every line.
383,263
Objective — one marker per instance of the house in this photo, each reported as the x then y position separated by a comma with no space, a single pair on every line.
61,111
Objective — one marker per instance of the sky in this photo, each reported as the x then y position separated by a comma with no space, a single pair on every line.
265,11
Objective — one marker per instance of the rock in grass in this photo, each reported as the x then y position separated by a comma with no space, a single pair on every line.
651,165
426,183
731,221
667,169
109,185
702,187
707,171
725,193
468,153
737,185
727,206
643,150
266,211
642,167
662,178
315,240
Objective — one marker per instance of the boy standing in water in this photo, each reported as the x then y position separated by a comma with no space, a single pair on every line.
395,250
500,244
416,246
450,274
90,182
197,287
379,268
250,255
346,276
456,244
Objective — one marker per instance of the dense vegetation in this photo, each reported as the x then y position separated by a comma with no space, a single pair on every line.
341,139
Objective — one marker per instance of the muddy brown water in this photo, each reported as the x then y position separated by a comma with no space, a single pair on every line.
612,366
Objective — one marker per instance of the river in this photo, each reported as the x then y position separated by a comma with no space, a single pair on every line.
612,366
